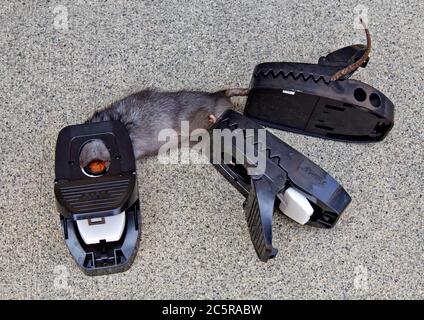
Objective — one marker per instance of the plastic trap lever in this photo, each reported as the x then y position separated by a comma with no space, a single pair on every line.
259,209
288,180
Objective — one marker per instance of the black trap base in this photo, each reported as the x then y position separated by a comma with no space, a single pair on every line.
100,216
291,182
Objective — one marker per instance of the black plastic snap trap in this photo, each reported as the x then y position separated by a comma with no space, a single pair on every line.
99,211
303,98
293,183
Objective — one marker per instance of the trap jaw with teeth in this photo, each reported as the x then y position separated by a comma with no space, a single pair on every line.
303,98
292,182
100,215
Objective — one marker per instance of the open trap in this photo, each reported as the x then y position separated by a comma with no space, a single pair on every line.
291,182
98,202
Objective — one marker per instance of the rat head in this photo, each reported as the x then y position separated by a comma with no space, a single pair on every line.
94,157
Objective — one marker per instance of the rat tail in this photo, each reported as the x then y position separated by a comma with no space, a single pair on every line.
341,73
236,92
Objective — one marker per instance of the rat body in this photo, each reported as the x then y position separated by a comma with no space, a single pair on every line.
147,112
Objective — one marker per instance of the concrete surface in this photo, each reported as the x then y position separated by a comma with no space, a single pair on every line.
195,242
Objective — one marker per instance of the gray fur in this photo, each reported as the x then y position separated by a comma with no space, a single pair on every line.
147,112
94,150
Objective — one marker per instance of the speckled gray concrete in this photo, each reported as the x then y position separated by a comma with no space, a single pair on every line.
195,242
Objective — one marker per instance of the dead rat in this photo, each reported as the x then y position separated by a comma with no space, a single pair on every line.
147,112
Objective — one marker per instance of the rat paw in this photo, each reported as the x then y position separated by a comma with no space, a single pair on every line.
211,119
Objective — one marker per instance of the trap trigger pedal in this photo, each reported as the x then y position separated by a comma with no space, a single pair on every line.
283,178
99,211
303,98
